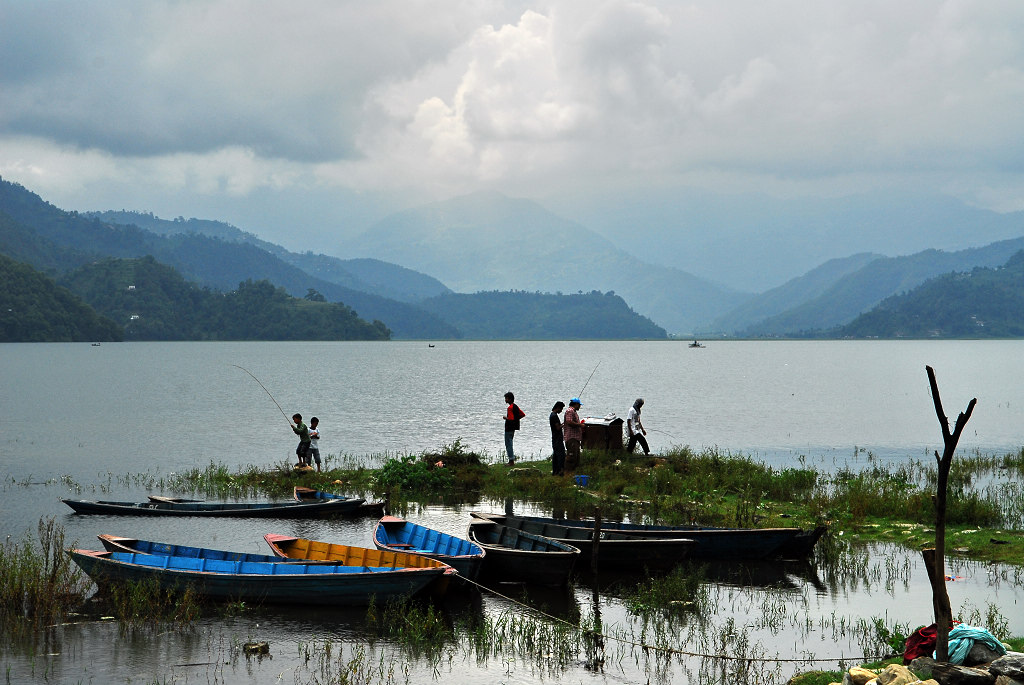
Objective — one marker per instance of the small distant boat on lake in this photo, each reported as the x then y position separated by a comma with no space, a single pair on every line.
255,577
288,509
398,535
615,550
712,543
302,494
697,344
520,557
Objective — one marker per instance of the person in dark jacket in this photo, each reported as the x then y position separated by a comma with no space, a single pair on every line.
557,441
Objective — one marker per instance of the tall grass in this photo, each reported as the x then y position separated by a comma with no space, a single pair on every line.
39,584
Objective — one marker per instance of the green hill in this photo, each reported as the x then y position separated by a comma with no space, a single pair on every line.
860,291
508,315
154,302
56,241
982,303
35,309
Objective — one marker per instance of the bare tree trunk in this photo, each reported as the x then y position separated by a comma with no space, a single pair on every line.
935,559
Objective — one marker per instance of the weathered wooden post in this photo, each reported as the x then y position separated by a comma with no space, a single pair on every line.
595,541
935,559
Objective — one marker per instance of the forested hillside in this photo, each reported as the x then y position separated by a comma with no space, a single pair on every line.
508,315
153,302
35,309
982,303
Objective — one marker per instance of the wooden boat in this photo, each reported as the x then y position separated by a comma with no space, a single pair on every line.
712,543
236,509
696,344
302,494
398,535
520,557
287,547
802,544
116,543
259,581
615,550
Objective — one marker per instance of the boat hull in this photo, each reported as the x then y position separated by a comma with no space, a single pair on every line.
615,551
302,494
289,509
269,582
712,543
398,535
516,556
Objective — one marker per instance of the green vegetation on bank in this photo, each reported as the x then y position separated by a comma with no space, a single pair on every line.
877,503
891,503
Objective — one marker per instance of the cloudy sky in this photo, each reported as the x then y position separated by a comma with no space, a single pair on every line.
302,121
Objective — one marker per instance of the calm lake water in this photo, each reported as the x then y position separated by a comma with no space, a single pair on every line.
92,416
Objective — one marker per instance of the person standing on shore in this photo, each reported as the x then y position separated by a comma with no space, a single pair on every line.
512,416
302,451
573,435
635,429
314,442
557,440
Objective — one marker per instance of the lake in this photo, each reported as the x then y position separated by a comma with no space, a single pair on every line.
79,420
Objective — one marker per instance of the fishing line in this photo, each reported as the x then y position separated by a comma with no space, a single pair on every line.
588,379
265,390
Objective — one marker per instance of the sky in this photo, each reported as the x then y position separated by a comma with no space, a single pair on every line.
304,122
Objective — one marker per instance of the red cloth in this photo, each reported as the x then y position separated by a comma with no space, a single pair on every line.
920,643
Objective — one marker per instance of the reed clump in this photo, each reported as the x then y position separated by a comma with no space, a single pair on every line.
39,585
144,605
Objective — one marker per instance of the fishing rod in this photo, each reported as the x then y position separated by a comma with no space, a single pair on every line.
267,391
588,379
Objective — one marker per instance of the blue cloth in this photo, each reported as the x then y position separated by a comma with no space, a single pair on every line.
963,637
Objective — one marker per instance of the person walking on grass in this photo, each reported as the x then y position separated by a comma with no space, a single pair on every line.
512,416
635,429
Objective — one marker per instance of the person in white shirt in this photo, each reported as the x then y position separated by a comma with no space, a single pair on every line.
636,429
314,442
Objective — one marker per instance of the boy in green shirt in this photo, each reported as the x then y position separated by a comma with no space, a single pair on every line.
300,430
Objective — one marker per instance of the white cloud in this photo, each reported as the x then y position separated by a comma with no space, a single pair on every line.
230,97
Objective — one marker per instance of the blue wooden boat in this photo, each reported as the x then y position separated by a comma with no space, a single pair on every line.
287,509
302,494
272,581
615,551
398,535
712,543
515,556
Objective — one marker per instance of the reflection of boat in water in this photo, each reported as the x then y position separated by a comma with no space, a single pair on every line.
696,344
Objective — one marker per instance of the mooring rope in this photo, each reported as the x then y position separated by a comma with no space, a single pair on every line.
666,650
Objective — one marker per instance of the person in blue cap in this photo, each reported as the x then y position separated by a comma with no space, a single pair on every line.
573,432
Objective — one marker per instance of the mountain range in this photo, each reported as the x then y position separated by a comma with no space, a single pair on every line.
480,245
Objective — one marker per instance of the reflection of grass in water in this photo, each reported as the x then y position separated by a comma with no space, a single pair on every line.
682,591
